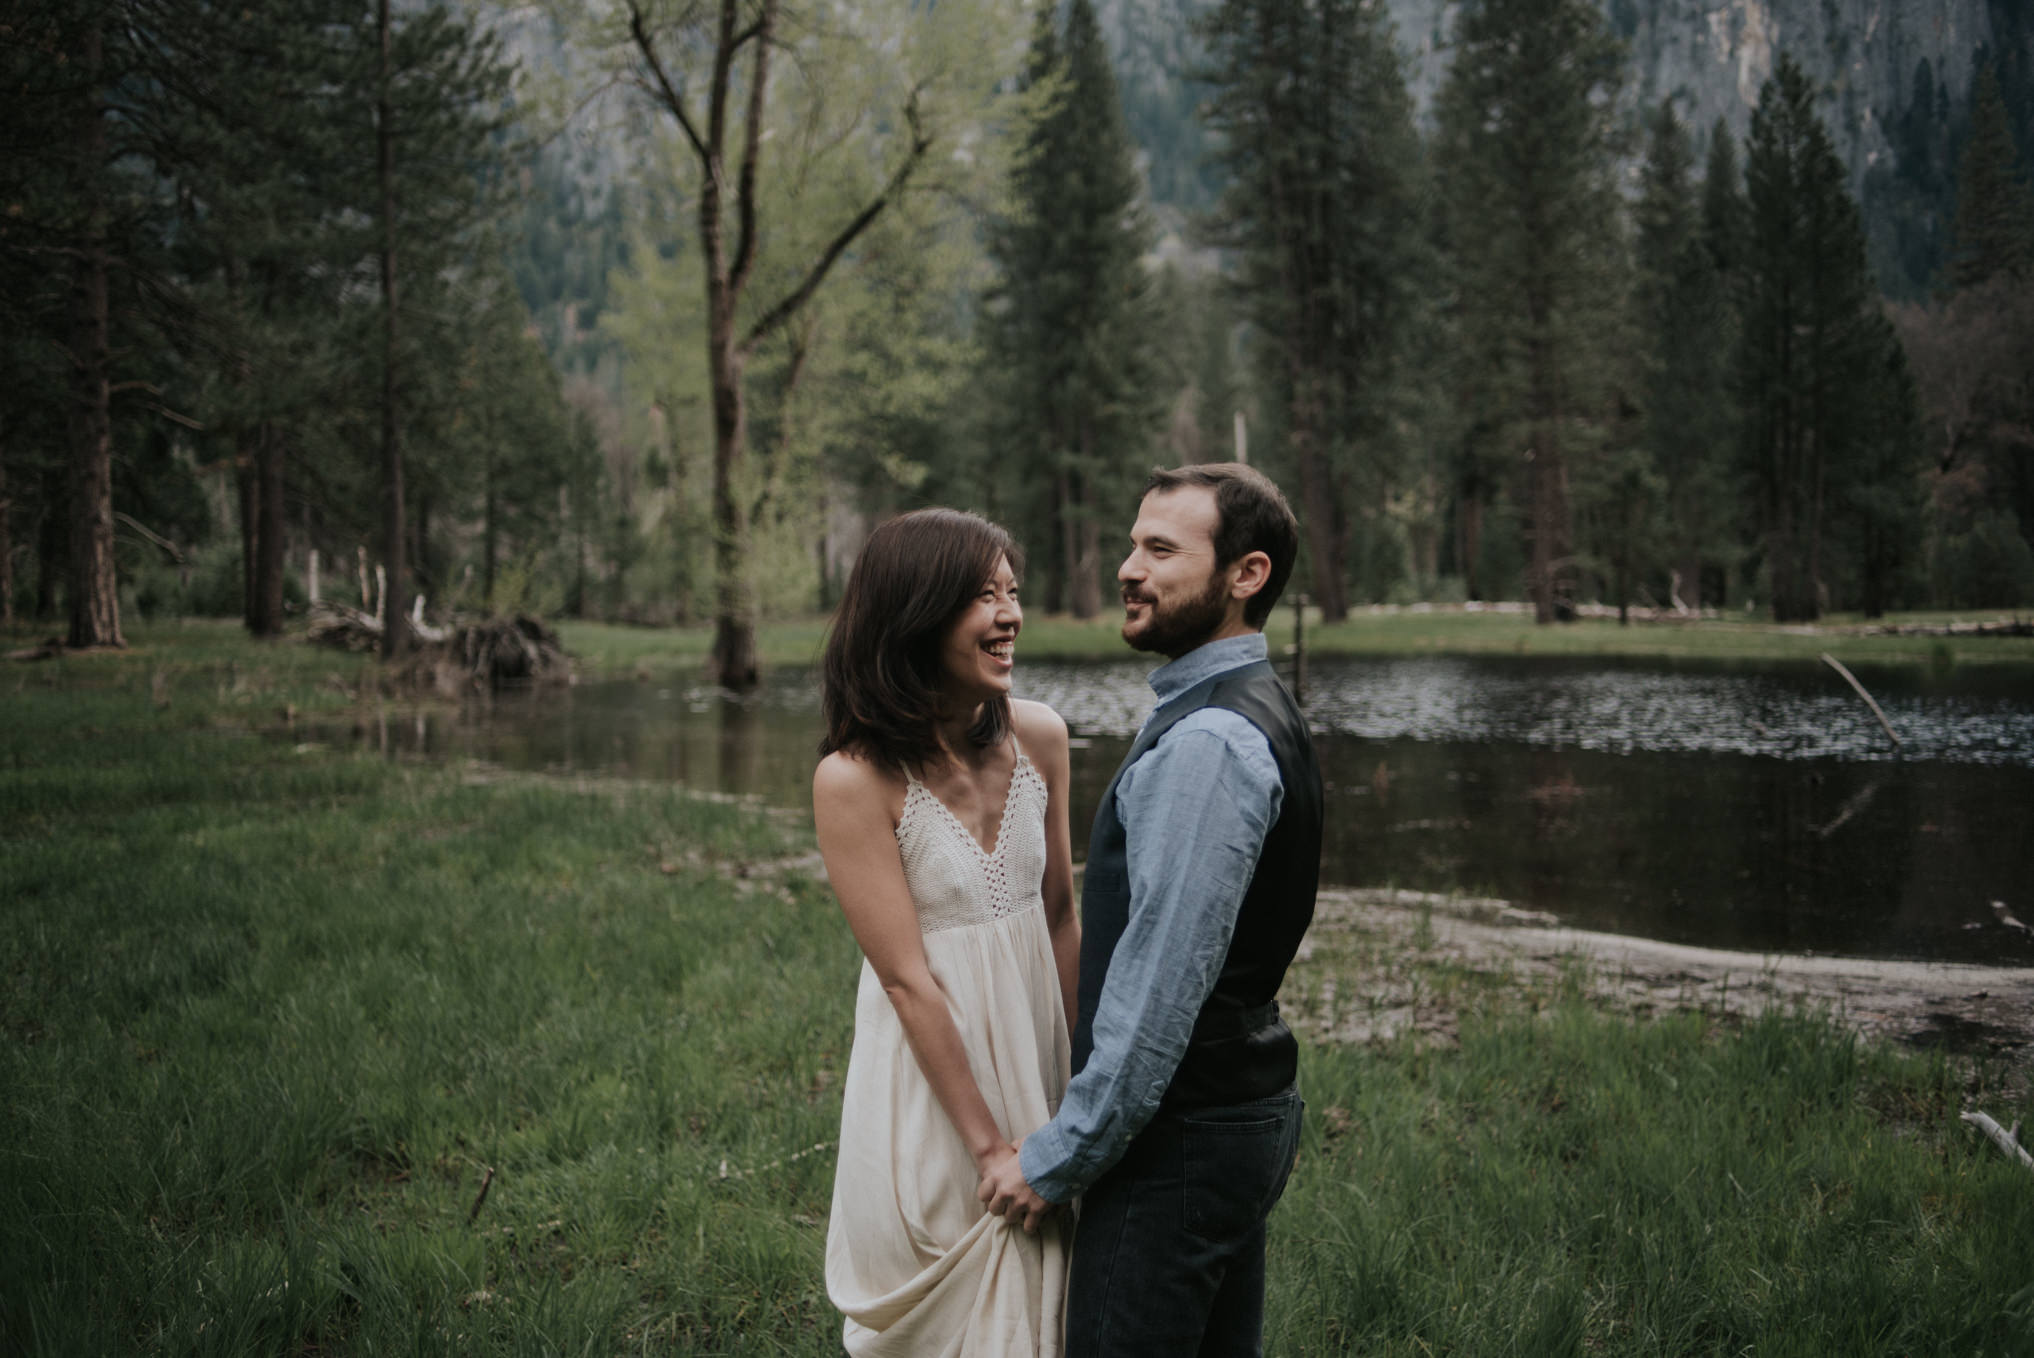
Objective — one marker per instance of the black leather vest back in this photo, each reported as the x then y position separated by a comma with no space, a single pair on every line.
1240,1049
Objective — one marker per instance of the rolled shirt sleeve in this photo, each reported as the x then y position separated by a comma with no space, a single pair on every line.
1195,810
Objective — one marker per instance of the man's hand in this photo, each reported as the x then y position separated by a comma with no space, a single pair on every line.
1008,1195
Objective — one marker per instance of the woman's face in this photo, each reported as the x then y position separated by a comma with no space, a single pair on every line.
976,657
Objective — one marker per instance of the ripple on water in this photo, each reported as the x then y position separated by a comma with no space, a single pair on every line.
1790,715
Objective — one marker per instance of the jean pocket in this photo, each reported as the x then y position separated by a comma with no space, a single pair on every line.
1234,1169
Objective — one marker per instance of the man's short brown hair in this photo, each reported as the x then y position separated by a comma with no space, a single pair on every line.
1252,516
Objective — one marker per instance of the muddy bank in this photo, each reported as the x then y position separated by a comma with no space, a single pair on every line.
1380,963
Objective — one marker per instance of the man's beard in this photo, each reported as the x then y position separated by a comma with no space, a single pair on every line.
1174,630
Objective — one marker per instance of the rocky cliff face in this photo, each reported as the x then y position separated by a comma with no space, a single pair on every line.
1896,76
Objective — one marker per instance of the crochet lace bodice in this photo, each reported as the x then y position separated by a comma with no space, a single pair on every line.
953,882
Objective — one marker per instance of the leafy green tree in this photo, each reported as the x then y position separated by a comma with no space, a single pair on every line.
1322,206
1527,143
1810,342
1071,333
889,86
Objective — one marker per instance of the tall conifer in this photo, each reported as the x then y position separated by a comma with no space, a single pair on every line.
1811,338
1684,328
1322,206
1071,333
1994,208
1527,144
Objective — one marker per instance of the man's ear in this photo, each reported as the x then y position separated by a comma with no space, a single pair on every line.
1252,573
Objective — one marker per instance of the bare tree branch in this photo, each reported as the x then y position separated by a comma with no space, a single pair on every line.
788,307
752,147
666,91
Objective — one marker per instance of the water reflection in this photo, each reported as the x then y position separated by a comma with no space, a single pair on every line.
1754,807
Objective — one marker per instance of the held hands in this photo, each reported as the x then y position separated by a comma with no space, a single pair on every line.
1006,1192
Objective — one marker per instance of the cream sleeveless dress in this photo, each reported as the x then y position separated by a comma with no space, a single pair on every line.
913,1260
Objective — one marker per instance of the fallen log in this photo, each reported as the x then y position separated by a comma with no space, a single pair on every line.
2006,1139
2014,627
355,629
489,653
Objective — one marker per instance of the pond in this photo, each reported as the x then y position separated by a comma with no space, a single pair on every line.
1758,807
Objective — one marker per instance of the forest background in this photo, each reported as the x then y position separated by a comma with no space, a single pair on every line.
646,312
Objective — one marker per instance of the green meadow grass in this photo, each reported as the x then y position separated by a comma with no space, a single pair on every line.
609,649
269,1015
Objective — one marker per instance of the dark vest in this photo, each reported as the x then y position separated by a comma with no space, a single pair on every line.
1240,1049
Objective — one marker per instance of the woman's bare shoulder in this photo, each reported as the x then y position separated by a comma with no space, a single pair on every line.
847,778
1037,724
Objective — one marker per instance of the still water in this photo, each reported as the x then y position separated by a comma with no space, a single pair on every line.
1756,807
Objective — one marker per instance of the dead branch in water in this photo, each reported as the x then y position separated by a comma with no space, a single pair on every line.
1838,666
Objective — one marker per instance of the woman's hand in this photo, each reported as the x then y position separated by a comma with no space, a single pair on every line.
1007,1194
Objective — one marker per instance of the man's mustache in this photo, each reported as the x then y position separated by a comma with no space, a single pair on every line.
1133,597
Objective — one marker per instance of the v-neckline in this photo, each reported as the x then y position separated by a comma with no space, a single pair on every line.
1002,818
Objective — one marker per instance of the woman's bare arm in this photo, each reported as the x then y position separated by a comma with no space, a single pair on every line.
1044,737
857,838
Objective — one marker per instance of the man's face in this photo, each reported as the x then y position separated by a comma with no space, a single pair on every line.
1175,594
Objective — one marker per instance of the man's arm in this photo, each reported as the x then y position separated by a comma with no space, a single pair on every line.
1195,810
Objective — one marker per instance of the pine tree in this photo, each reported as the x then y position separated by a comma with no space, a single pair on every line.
1810,338
1526,148
1071,328
1684,326
1322,206
1994,208
76,227
245,116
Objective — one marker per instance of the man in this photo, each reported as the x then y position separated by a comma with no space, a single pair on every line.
1182,1120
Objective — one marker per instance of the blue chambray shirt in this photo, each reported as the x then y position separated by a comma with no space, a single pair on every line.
1195,809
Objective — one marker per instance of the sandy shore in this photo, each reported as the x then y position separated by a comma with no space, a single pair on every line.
1365,974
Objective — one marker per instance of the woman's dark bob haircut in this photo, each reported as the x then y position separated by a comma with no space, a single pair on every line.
880,676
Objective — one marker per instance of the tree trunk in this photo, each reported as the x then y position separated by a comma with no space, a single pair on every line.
1469,542
1318,511
94,585
395,631
6,544
732,662
1056,527
52,544
1546,478
489,509
1082,534
250,520
265,613
1086,592
422,569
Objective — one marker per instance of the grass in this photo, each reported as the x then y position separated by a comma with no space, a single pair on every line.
606,649
269,1016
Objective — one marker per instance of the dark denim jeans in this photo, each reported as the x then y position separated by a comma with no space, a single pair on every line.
1168,1260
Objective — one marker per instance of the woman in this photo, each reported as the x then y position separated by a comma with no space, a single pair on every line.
941,809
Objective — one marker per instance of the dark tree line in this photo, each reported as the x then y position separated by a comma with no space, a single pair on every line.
258,239
1476,355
